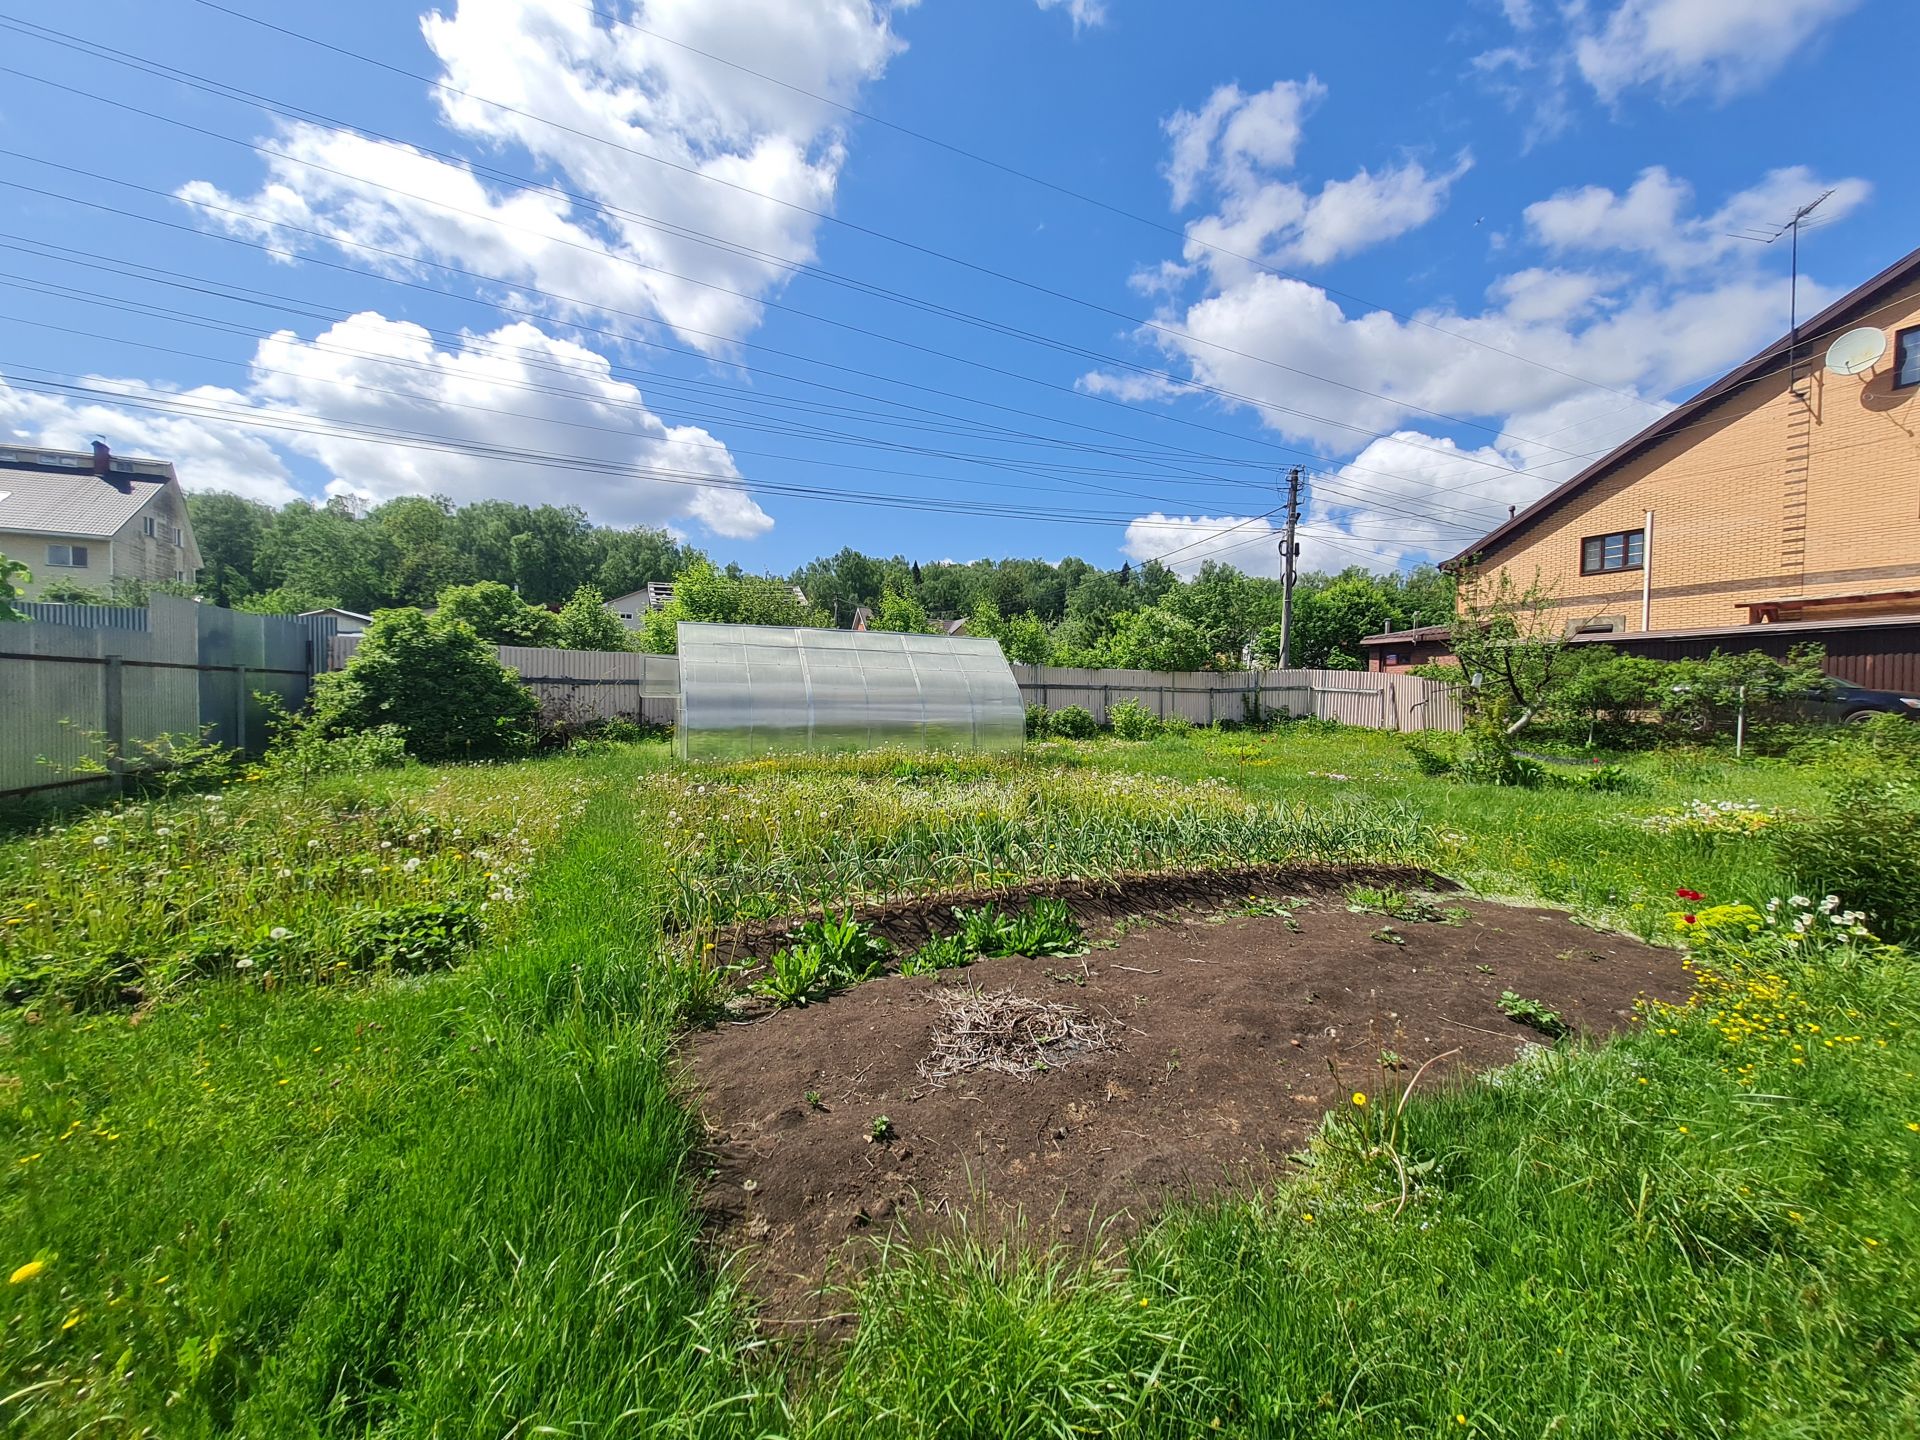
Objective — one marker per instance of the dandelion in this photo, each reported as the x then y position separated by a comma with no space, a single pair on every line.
103,840
245,962
279,932
71,1321
1359,1097
26,1272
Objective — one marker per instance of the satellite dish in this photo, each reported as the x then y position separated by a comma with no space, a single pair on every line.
1855,352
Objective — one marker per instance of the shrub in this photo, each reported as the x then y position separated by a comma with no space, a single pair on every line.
301,751
1037,726
1487,758
437,683
1608,779
497,615
1072,722
1133,721
1866,850
585,623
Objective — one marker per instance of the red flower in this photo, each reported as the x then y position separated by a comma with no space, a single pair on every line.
1688,895
1687,918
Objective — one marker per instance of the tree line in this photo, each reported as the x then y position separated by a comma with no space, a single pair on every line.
425,552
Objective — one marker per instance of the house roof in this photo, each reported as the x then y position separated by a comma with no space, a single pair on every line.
41,495
1769,361
1425,635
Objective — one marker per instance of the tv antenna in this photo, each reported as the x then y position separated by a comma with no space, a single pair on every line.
1761,236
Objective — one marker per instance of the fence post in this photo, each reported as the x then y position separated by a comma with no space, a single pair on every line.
240,709
113,720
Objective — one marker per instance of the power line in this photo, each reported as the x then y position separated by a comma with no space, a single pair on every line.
647,221
1181,384
507,308
881,235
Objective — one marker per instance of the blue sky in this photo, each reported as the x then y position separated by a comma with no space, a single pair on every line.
1081,278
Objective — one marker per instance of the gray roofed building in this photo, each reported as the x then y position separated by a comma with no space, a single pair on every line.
93,519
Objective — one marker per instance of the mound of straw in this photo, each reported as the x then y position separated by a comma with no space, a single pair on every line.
999,1030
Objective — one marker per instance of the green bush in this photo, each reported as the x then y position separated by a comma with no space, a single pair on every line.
1072,722
434,681
1866,850
1133,721
1487,757
300,750
1037,725
497,615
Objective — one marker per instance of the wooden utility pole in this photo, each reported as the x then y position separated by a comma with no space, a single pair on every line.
1289,552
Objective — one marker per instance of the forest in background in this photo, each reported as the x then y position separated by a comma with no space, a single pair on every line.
411,550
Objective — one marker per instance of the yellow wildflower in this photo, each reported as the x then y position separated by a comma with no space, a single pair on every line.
26,1272
1359,1097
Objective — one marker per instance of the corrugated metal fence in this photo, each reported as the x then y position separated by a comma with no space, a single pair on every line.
577,686
1352,697
81,686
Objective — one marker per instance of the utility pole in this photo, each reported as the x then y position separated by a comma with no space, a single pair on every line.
1289,552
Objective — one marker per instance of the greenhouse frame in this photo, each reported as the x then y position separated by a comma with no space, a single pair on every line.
749,690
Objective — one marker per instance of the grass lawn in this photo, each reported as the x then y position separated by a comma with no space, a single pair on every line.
391,1144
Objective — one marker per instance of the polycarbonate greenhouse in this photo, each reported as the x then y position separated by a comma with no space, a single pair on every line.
755,689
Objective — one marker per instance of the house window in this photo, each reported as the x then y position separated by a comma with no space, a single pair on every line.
1622,550
72,556
1906,358
150,525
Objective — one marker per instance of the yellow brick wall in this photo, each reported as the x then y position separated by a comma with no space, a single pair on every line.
1762,497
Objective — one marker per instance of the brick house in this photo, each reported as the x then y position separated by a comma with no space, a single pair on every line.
1783,493
93,519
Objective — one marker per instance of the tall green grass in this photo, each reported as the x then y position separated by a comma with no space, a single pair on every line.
458,1204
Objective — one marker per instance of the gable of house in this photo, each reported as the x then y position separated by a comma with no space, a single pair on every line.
66,520
1780,491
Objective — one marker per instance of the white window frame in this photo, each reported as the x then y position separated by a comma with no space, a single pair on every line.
77,557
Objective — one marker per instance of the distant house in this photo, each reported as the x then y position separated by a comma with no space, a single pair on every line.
633,606
351,622
1397,650
93,519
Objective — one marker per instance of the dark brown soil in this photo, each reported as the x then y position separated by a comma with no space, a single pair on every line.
1226,1029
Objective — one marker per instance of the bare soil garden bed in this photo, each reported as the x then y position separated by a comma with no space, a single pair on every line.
1198,1055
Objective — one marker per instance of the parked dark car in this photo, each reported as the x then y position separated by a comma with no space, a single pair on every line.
1855,702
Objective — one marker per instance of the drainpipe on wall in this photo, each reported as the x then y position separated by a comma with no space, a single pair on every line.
1646,573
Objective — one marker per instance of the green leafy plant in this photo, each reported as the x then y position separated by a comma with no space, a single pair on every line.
1072,722
437,682
1433,754
942,952
1399,905
796,974
1865,850
880,1130
1046,927
1133,721
1037,722
826,955
14,577
1387,935
1533,1014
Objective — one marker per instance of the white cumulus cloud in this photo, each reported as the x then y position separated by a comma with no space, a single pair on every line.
656,139
1685,46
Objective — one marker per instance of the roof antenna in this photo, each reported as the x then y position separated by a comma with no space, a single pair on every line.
1762,237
